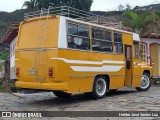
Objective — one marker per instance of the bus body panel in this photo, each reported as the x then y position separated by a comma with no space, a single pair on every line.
83,66
73,70
31,36
127,39
66,68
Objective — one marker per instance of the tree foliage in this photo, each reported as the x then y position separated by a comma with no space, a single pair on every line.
38,4
128,7
121,7
31,4
3,56
144,21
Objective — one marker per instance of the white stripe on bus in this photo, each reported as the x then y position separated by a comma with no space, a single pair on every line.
97,69
89,62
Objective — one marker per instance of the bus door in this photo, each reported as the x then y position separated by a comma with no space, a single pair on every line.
128,70
136,65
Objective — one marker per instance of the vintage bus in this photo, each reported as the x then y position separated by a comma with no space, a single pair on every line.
68,55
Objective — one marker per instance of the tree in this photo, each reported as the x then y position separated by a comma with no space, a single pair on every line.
137,8
128,7
141,22
154,20
79,4
31,5
121,7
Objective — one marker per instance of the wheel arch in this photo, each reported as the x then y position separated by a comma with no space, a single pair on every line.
148,72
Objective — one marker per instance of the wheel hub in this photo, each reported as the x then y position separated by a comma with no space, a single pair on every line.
100,87
144,82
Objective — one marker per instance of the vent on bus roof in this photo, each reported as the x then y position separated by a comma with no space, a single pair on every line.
75,14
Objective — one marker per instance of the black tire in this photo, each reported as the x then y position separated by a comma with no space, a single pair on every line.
95,94
113,90
62,94
148,83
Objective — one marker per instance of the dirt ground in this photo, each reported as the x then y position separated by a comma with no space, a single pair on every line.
126,99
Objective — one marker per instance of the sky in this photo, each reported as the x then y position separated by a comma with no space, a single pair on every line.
98,5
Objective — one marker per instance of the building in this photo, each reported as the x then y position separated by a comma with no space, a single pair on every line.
150,52
10,38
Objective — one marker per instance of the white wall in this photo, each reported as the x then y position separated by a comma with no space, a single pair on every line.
12,58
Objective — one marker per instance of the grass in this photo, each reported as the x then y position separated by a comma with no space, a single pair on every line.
1,86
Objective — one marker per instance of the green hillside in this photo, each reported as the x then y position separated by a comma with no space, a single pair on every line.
6,19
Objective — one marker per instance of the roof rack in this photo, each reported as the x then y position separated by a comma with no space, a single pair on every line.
74,13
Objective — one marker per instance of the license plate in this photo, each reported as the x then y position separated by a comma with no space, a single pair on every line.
33,72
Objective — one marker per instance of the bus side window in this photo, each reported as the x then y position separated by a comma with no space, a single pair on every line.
78,37
118,46
102,40
136,49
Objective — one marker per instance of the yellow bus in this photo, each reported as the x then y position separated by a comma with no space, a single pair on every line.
68,55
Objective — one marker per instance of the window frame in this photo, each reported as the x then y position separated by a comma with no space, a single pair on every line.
143,54
115,32
105,30
73,23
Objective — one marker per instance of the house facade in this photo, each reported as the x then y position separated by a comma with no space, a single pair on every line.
12,58
10,38
150,53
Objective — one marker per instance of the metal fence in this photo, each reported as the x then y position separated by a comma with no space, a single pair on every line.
73,13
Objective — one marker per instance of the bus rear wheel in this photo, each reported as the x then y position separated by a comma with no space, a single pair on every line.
145,82
62,94
99,88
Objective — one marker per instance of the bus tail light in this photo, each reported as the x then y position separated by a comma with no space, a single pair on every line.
17,71
50,72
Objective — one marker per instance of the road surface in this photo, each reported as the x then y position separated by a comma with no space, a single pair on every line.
126,99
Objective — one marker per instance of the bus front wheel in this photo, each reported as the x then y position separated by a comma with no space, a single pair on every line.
145,82
99,87
62,94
